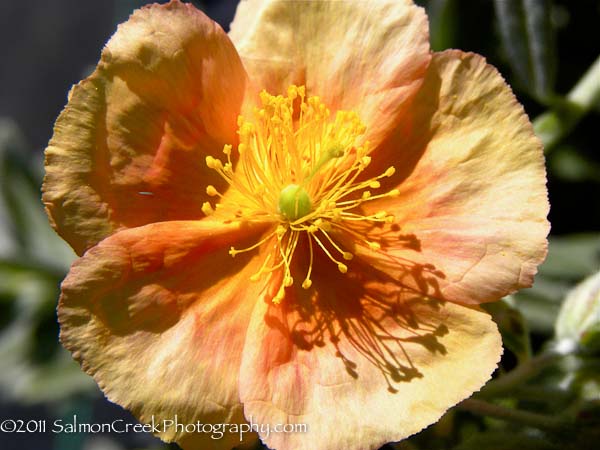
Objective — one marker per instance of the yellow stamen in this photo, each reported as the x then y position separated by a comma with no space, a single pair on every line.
300,168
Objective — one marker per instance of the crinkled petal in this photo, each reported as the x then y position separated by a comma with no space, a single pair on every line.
472,201
361,361
129,147
158,316
369,57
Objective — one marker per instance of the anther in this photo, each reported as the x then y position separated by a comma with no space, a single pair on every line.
207,208
306,283
213,163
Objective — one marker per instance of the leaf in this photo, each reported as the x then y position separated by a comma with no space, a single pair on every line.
501,440
568,164
512,326
24,225
443,18
570,259
555,124
528,40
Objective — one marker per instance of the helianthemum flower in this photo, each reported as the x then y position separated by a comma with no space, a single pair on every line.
292,223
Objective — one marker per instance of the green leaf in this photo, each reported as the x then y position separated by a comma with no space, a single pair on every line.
553,125
567,163
528,39
512,326
23,222
570,259
501,440
443,18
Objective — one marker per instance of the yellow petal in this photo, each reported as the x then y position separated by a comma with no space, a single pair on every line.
472,201
361,361
129,147
158,316
369,57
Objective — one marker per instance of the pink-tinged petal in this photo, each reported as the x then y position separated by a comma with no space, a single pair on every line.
361,361
158,316
369,57
129,147
472,201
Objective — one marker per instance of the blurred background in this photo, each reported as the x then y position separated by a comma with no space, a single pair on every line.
548,50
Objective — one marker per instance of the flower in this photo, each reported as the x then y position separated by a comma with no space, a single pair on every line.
294,223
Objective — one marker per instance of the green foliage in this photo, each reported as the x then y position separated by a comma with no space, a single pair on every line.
528,40
33,261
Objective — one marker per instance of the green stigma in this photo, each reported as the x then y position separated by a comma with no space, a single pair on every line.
294,202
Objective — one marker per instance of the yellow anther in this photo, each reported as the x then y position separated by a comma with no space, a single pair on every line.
299,168
207,208
213,163
279,296
323,224
211,191
292,92
336,150
374,245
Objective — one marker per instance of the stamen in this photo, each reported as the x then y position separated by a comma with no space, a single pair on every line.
299,168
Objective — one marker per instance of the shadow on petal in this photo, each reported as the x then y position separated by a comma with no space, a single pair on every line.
368,314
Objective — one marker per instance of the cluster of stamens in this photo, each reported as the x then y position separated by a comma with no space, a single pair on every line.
299,168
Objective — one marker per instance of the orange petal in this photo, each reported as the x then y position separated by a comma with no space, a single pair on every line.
129,147
369,57
473,202
361,361
158,316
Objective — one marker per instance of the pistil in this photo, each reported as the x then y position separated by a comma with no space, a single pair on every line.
299,168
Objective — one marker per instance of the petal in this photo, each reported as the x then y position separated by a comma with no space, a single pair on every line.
158,316
129,147
369,57
473,199
361,361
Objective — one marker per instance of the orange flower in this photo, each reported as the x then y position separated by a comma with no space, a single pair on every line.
318,259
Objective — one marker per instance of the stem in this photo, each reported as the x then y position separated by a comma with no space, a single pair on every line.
553,125
541,421
523,372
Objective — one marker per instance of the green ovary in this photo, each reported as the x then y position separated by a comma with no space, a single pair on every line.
294,202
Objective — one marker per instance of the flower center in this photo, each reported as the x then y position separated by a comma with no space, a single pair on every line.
294,202
299,167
